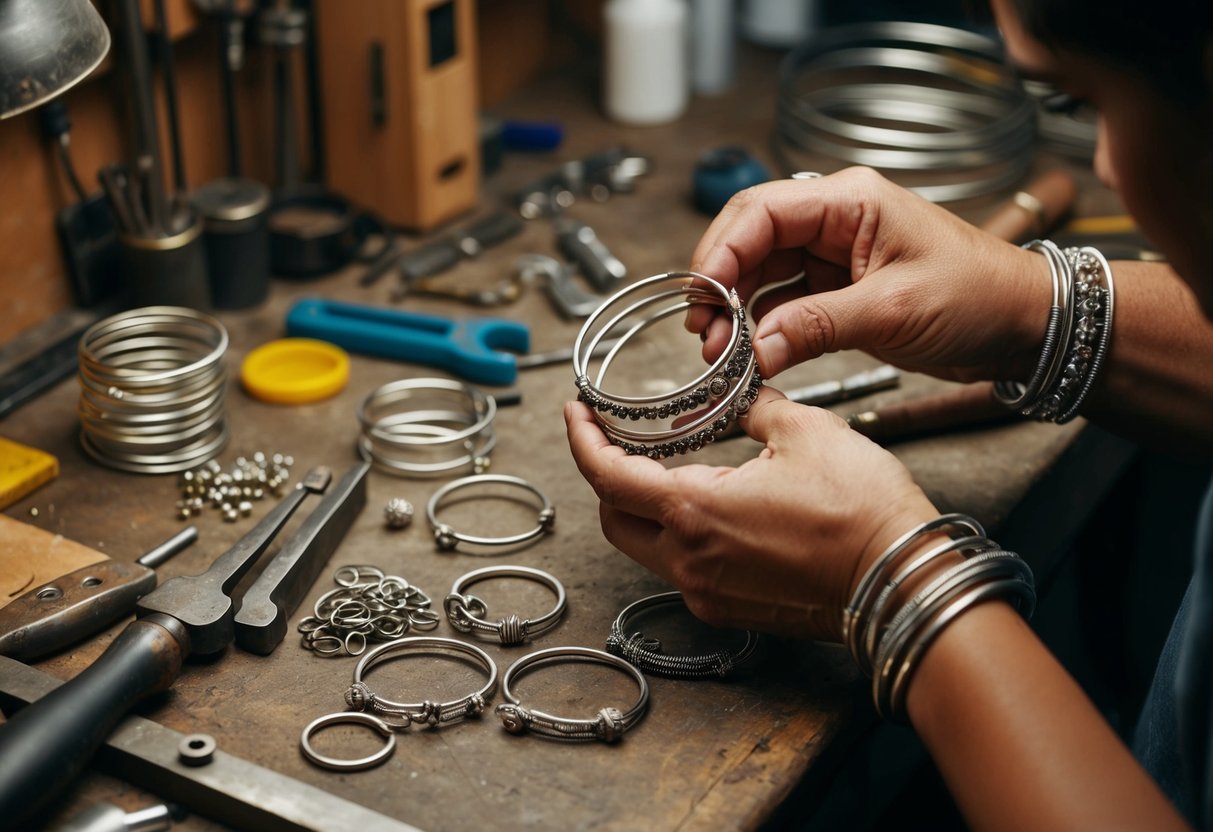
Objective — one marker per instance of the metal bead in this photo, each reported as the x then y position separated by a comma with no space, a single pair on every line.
398,513
609,726
444,537
514,718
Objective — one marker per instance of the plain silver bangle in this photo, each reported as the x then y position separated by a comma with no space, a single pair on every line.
608,726
447,538
463,609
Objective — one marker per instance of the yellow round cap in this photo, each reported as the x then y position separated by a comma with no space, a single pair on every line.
295,371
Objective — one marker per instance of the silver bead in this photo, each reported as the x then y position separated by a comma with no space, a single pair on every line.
398,513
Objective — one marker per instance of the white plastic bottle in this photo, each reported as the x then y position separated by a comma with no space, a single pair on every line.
646,60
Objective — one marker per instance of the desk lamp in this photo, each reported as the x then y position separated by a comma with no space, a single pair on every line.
46,46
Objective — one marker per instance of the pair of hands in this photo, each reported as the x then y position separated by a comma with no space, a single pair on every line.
779,543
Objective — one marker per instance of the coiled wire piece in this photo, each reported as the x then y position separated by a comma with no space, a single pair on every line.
646,653
367,606
425,427
463,611
608,725
962,116
679,420
447,538
387,716
153,390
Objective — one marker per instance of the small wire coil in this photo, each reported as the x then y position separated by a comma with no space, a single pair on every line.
153,390
425,427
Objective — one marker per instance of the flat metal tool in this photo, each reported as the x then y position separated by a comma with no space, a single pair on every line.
580,243
473,348
79,604
44,747
567,298
261,622
228,790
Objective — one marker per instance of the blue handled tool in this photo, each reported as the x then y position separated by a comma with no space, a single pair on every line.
471,348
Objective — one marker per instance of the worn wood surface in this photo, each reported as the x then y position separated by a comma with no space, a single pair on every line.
714,754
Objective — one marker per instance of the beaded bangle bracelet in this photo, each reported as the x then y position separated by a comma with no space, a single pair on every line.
646,653
446,538
687,417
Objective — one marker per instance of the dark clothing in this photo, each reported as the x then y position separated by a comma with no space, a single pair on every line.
1173,738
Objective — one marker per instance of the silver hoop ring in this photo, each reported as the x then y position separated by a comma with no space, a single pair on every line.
646,653
360,697
462,610
355,718
608,725
806,174
447,538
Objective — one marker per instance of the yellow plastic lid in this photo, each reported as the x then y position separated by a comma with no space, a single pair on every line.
295,371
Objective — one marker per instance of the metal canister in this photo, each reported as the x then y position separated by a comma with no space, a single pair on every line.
235,212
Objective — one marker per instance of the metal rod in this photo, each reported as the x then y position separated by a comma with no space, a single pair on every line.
147,137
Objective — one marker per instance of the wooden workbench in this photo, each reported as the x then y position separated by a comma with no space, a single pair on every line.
709,754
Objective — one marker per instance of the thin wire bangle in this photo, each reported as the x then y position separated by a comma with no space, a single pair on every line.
447,538
463,609
608,726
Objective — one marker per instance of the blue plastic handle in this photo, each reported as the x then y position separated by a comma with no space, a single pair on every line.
470,348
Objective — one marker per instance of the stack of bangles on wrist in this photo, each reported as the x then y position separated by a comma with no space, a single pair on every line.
688,417
1077,336
888,643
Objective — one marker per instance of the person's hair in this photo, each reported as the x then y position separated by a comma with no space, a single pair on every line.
1163,42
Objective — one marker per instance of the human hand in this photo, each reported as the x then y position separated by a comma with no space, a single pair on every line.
885,271
777,544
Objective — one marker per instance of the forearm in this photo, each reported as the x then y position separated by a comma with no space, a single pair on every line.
1018,743
1157,384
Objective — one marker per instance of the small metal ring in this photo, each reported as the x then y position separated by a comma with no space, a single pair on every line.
608,726
646,653
447,538
352,717
430,713
462,613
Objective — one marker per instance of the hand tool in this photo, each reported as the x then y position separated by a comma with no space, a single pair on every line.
544,359
44,747
55,613
229,790
580,244
569,299
106,817
147,135
440,255
967,406
468,347
261,622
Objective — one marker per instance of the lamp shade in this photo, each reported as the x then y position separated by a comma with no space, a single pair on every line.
46,46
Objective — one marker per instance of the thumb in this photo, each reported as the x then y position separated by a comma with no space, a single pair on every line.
811,325
766,416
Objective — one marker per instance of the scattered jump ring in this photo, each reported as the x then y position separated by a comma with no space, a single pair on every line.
336,763
463,610
447,538
360,697
646,653
608,725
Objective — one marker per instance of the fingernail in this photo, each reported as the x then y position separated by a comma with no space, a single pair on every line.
772,352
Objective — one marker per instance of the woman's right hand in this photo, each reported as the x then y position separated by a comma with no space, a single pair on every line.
885,271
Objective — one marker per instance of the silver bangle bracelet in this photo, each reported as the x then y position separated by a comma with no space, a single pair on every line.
360,698
463,610
422,427
347,718
608,725
682,419
447,538
646,653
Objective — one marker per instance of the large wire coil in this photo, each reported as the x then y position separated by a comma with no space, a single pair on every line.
153,390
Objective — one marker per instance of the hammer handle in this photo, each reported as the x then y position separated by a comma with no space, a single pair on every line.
46,745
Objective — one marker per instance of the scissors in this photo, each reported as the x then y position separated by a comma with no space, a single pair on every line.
471,348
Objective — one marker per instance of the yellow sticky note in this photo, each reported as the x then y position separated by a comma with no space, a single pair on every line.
22,469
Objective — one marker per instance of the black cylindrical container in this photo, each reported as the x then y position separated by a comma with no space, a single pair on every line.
235,212
166,271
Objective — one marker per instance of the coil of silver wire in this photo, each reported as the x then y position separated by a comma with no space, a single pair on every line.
422,427
939,108
153,390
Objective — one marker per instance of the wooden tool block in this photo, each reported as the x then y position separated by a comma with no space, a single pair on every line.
400,111
30,556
